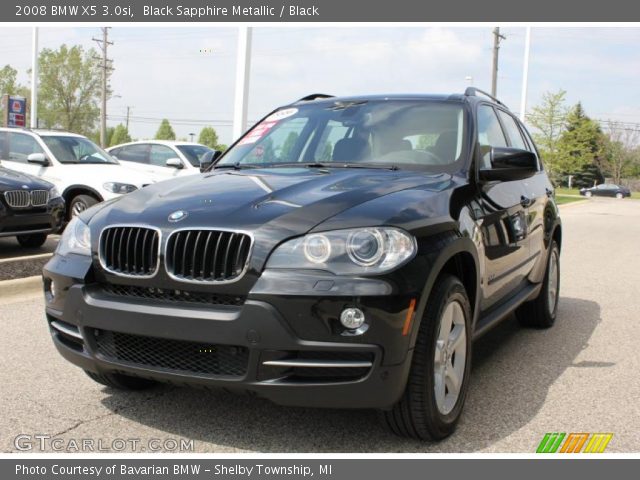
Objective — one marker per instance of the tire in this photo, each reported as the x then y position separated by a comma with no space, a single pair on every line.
79,204
541,312
120,382
419,414
588,194
619,195
32,240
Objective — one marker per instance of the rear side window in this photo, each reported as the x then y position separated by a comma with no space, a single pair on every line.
134,153
160,154
490,133
513,131
21,146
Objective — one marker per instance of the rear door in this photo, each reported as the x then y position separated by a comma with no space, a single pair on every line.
134,156
502,218
537,189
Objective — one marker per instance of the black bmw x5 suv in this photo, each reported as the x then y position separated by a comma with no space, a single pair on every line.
345,252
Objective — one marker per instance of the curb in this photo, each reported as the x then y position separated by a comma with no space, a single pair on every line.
20,287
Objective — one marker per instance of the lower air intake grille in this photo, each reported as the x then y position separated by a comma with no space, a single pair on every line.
131,251
207,255
172,296
177,355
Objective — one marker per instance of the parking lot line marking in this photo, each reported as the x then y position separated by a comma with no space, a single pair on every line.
26,257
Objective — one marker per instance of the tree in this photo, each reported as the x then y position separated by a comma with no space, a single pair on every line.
288,146
580,144
165,131
621,151
120,135
8,80
209,137
548,120
69,89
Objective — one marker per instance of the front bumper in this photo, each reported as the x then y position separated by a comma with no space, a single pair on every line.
33,220
253,347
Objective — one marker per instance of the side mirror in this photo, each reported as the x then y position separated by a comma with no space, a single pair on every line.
175,163
509,164
208,159
38,158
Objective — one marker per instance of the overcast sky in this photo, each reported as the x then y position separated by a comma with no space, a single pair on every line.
187,74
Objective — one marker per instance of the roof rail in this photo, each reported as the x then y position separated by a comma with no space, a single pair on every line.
315,96
473,92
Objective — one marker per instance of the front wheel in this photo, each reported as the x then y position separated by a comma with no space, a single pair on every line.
79,204
588,194
619,195
32,240
438,380
541,311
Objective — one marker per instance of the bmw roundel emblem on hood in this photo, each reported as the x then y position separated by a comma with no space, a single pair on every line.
178,215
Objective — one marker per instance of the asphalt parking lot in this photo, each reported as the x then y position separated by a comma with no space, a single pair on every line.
580,376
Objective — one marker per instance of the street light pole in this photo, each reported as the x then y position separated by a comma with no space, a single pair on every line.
525,75
34,80
243,66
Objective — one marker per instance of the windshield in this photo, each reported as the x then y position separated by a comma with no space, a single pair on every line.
76,150
403,133
193,153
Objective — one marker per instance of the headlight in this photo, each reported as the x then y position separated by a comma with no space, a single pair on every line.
54,193
344,252
122,188
76,238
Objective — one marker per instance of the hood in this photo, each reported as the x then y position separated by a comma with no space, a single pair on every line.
12,180
288,200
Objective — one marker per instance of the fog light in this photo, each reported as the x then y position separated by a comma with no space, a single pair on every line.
352,318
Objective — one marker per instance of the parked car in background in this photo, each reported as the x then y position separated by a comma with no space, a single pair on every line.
30,208
83,172
163,158
606,190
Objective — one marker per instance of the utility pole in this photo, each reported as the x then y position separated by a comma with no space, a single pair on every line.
243,65
496,48
34,80
127,122
106,68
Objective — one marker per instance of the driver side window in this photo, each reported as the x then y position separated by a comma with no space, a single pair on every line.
490,133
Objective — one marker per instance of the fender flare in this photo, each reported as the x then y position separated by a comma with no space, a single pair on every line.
449,245
90,190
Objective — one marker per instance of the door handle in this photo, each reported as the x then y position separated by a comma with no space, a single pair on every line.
525,201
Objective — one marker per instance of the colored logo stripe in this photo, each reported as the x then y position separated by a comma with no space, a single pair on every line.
550,443
574,442
598,442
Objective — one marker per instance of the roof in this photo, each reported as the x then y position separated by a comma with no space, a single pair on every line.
168,143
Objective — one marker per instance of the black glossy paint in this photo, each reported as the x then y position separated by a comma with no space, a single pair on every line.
15,221
494,235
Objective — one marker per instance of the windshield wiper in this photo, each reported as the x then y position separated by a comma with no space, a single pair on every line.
237,166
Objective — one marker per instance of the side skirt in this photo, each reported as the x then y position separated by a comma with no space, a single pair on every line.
494,316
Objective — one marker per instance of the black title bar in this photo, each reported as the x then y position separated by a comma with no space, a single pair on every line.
111,11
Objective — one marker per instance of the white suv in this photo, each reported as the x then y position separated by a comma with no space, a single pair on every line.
83,172
163,158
